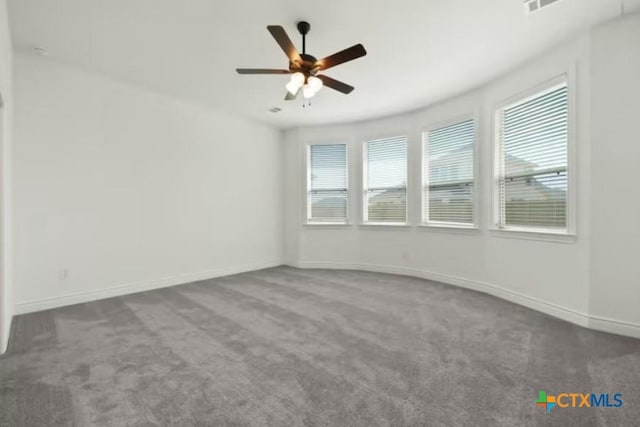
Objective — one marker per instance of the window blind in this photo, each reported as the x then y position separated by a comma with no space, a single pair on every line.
533,151
386,185
448,174
328,194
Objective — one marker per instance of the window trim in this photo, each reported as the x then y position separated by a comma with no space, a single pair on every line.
307,193
364,220
567,78
424,136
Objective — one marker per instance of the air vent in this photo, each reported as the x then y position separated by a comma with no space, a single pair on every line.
41,51
531,6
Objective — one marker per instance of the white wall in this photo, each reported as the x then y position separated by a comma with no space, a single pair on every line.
615,253
551,276
6,306
125,189
119,189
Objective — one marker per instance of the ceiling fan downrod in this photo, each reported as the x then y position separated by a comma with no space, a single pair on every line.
303,28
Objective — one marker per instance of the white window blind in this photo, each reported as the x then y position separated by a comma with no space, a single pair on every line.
327,190
448,174
386,180
533,150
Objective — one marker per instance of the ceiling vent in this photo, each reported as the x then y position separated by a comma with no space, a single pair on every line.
531,6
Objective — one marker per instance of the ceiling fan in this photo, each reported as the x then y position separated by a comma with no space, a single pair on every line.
304,68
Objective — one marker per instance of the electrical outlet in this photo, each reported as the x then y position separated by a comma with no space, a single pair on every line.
63,274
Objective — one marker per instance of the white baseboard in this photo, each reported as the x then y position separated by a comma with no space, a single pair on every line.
131,288
6,327
573,316
4,334
570,315
614,326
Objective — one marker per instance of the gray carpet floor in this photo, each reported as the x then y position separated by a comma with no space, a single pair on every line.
290,347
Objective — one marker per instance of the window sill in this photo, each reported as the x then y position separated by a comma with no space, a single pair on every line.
327,224
385,226
446,228
546,236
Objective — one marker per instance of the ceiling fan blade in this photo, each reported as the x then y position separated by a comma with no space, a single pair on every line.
285,43
291,96
261,71
349,54
336,85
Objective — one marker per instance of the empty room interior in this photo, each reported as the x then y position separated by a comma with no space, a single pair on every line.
337,213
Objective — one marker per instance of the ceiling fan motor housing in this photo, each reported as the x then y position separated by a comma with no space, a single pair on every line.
308,66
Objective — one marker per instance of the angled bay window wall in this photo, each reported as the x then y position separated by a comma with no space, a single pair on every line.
531,178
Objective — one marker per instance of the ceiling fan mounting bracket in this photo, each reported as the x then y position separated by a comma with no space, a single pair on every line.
304,27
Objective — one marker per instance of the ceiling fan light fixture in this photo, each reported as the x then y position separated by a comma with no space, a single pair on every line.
315,83
292,87
298,79
296,82
308,91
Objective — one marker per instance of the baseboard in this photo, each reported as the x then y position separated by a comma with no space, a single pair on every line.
5,333
567,314
131,288
614,326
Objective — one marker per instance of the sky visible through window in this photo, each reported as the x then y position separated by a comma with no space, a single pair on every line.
536,135
387,163
328,166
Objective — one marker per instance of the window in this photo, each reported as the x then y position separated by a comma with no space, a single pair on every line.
532,179
448,158
327,184
386,180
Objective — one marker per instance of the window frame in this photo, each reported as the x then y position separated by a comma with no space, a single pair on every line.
527,232
307,215
365,181
424,169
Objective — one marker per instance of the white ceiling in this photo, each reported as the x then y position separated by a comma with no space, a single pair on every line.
419,51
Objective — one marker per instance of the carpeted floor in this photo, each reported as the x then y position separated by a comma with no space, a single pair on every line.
289,347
